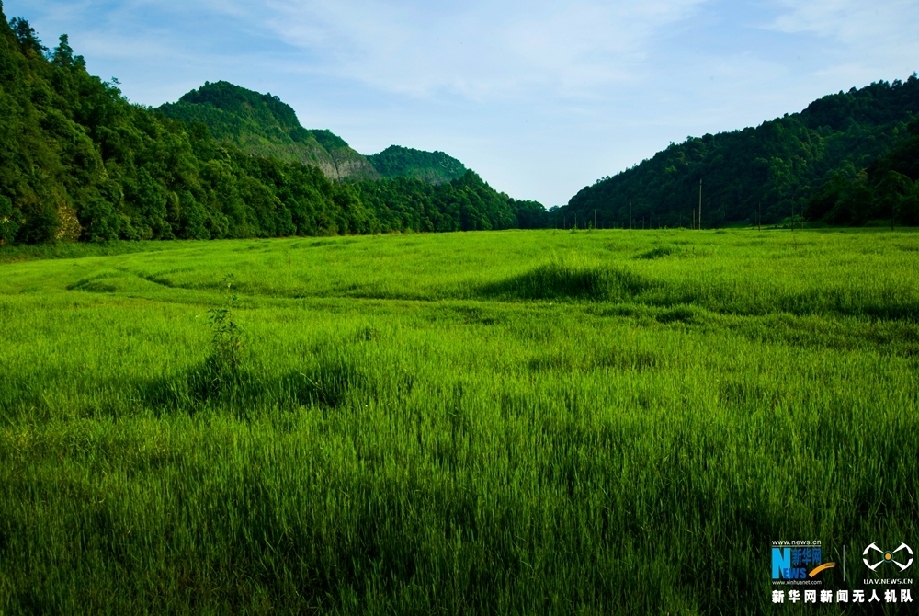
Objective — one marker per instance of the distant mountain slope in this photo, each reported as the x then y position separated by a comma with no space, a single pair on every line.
779,167
432,167
78,161
261,124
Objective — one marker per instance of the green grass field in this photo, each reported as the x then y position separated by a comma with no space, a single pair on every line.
502,422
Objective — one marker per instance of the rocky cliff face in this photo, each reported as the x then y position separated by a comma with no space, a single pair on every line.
336,164
348,164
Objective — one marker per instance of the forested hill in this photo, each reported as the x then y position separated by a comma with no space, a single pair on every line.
432,167
814,164
78,161
261,124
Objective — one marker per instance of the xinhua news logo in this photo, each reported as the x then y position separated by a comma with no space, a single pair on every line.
797,562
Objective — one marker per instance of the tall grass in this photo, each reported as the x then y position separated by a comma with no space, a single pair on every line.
515,422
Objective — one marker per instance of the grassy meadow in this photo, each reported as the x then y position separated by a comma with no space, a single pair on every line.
541,422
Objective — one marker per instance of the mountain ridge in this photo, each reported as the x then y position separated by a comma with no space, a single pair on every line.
263,125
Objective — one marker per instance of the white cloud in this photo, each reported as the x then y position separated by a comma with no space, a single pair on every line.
481,50
846,19
866,41
879,27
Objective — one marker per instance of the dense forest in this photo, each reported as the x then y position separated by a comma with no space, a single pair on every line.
79,162
463,204
849,158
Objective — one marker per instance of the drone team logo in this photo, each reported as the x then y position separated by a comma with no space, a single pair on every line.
874,557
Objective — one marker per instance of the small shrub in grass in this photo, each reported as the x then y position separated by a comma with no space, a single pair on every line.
223,367
221,379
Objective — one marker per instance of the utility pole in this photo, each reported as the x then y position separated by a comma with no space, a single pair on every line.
759,216
700,204
630,214
595,219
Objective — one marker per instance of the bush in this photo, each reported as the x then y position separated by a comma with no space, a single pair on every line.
222,367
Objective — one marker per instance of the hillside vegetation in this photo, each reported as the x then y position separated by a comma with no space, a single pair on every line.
80,162
515,422
432,167
262,125
847,159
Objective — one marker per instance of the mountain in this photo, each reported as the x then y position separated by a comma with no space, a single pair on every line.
80,162
262,125
432,167
812,164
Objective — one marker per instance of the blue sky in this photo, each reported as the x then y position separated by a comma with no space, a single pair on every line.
540,98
